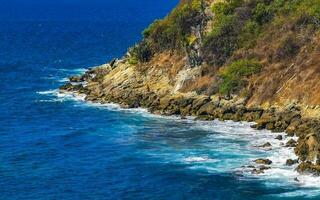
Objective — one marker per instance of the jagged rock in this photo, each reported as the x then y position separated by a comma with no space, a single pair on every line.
76,79
267,144
260,170
207,109
197,103
291,129
67,87
252,114
279,137
263,161
280,126
308,148
307,167
291,162
204,118
291,143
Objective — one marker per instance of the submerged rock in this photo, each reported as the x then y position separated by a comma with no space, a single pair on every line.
260,170
265,145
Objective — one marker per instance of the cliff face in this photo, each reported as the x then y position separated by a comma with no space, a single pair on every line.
252,60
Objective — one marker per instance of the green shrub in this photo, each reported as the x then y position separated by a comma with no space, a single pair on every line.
140,53
233,76
249,34
173,31
288,48
263,13
222,41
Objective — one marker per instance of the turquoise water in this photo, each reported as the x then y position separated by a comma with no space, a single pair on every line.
54,146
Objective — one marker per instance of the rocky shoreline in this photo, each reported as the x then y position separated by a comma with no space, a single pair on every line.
138,94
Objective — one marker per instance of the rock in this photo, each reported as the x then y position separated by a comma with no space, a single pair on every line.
291,162
204,118
207,109
292,128
113,62
264,122
67,87
260,169
307,167
279,137
270,126
290,134
252,114
280,126
197,103
75,79
291,143
263,161
267,144
308,148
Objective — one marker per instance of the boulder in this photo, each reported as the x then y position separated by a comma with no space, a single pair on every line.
308,148
207,109
263,161
291,162
75,79
308,167
279,137
197,103
260,170
267,144
291,143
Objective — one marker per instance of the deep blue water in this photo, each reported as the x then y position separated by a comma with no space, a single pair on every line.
54,147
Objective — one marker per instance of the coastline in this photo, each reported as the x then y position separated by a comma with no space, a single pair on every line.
300,132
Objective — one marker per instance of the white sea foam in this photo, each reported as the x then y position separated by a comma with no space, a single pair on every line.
78,71
48,92
63,80
56,95
200,159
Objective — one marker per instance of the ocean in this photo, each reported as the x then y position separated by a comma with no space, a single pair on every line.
56,146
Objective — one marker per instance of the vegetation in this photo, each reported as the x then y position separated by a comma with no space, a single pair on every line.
171,33
140,53
234,76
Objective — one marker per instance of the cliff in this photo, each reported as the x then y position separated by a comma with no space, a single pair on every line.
251,60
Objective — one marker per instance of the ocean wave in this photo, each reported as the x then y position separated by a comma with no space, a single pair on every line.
202,159
77,71
48,92
56,95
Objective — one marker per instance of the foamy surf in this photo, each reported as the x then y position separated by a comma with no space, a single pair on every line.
76,71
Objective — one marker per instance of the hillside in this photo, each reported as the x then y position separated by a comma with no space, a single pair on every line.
282,36
251,60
